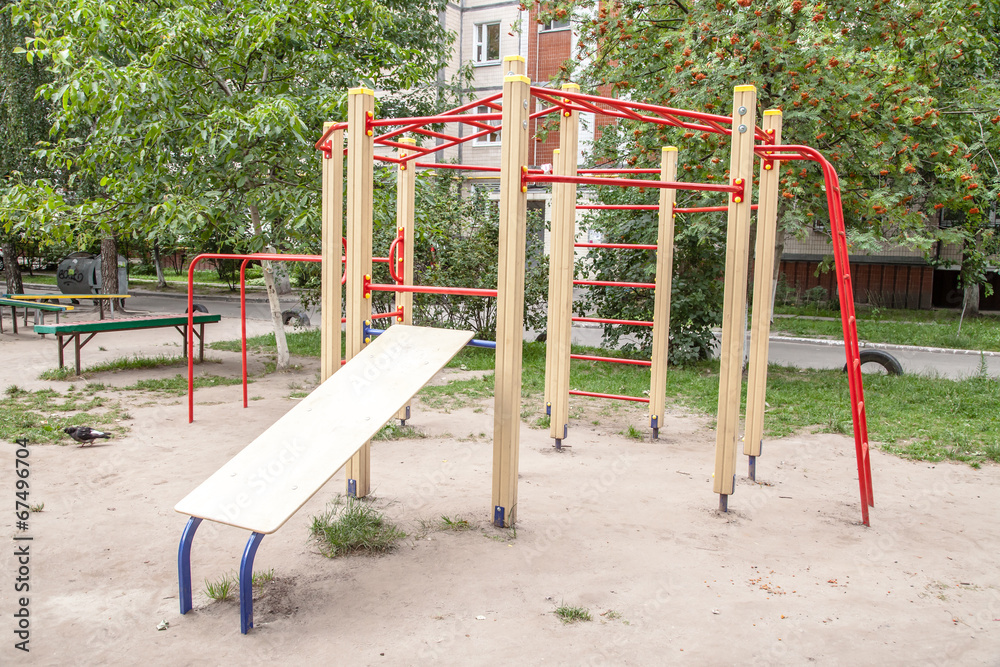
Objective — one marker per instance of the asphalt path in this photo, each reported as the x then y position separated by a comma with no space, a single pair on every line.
799,353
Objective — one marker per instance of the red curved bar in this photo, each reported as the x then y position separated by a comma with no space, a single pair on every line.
606,320
617,207
190,323
612,360
618,171
611,283
615,397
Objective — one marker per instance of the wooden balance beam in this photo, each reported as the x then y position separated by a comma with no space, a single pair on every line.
74,330
42,308
276,474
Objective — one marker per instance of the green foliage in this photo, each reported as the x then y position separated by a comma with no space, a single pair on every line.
42,415
568,614
902,97
183,118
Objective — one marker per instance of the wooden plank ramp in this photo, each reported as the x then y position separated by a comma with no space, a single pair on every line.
260,488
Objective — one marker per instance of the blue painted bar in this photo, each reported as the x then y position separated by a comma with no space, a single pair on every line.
184,564
246,582
475,342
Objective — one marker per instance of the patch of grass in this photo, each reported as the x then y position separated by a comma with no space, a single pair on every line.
977,334
40,416
542,422
221,589
394,431
632,433
569,614
456,524
612,615
354,526
93,387
40,507
135,362
298,394
261,579
177,385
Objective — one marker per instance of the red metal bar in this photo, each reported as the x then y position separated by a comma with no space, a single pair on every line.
384,158
445,165
614,397
610,283
847,315
430,289
243,325
486,101
631,182
642,106
624,246
190,323
382,316
604,320
611,360
618,207
618,171
449,144
434,120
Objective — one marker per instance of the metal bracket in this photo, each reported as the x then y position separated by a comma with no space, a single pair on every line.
327,148
524,179
738,197
352,488
498,514
366,286
548,408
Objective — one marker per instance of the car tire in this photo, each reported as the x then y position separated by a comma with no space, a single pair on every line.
881,358
198,308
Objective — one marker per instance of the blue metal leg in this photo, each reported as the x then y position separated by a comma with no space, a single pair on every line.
753,468
184,563
246,582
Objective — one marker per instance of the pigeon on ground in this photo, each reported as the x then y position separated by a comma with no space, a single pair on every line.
84,434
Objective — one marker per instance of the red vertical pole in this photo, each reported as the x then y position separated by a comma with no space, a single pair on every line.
243,324
190,339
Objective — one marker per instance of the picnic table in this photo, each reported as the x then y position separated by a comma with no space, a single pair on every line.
74,331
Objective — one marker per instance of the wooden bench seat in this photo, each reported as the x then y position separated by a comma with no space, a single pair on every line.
73,331
260,488
97,298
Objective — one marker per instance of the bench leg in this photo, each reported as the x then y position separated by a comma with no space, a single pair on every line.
76,346
201,343
61,346
13,317
184,564
246,582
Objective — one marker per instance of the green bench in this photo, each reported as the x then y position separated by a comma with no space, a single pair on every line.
76,330
99,299
39,308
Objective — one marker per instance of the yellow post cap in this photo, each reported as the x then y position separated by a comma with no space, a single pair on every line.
571,85
773,112
360,91
518,58
517,77
668,148
744,88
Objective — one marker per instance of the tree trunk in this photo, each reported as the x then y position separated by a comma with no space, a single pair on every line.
160,280
11,271
109,266
272,298
972,300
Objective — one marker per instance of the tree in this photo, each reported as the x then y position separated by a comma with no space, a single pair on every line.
893,93
194,117
22,124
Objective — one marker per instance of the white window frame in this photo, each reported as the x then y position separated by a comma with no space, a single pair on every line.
482,45
552,26
487,139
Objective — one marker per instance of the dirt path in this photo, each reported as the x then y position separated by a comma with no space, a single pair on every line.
787,577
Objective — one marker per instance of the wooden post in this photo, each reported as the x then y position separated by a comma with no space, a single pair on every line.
661,296
561,260
510,291
760,330
734,309
333,230
360,188
406,187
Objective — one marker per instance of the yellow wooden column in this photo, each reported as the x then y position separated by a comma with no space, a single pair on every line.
760,329
510,291
661,296
360,189
561,260
332,235
406,187
734,309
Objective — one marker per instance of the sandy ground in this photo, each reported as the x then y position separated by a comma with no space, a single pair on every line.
788,576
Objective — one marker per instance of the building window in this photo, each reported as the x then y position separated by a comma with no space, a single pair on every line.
492,138
555,24
488,43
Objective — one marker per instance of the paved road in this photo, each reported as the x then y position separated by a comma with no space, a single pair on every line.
791,352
